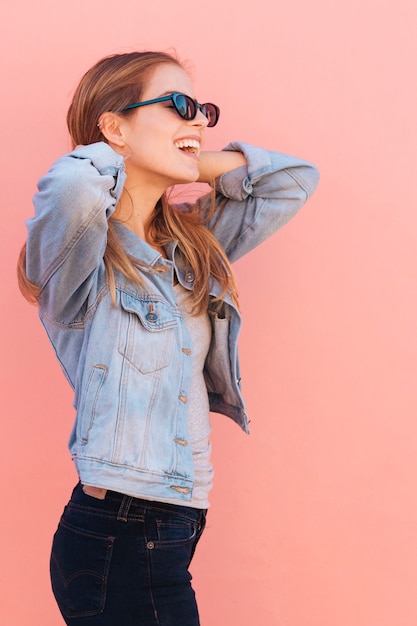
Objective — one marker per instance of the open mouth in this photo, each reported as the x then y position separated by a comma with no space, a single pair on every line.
191,146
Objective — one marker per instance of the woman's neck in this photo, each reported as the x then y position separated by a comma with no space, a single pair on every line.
135,211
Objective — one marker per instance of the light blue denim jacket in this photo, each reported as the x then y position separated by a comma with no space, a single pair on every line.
130,364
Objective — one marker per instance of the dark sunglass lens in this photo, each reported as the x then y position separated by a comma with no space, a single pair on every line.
211,111
185,106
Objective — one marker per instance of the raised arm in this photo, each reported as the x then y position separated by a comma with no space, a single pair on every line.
67,236
213,164
257,192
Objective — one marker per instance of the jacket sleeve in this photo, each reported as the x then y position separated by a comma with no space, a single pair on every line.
68,234
255,200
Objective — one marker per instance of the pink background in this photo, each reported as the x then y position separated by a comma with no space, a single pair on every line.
314,517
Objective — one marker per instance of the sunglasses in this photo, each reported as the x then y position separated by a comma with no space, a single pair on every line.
185,106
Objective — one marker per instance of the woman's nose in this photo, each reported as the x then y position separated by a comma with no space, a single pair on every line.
200,119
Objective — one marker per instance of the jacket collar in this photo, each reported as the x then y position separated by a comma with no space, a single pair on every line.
139,248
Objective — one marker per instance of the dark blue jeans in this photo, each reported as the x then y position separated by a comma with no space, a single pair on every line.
124,561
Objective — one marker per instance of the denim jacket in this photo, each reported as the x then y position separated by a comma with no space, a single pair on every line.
130,364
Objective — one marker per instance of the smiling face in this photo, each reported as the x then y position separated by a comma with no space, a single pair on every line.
163,148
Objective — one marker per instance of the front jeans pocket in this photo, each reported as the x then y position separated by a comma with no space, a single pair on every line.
80,563
175,532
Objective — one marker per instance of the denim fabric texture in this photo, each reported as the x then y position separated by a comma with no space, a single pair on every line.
123,561
130,364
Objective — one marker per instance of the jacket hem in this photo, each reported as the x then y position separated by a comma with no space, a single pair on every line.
133,482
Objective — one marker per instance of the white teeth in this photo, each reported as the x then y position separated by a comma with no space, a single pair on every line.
188,143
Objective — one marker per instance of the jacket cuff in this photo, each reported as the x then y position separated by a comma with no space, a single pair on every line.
106,161
104,158
238,184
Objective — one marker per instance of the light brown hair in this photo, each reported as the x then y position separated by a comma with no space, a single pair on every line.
111,84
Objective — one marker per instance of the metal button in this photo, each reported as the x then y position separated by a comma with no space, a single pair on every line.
183,490
186,351
189,277
183,399
150,545
151,316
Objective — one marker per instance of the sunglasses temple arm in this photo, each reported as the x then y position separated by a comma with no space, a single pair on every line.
141,104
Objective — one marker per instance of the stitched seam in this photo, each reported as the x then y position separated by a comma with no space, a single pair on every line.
300,182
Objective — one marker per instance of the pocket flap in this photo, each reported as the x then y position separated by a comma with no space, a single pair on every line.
154,314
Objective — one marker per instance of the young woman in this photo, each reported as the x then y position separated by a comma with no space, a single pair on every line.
139,301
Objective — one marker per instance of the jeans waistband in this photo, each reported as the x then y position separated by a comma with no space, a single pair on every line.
125,506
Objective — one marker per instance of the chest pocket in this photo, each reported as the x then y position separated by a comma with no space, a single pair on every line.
147,335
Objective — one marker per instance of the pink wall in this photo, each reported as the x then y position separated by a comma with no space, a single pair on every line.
314,517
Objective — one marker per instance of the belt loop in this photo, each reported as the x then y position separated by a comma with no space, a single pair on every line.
124,508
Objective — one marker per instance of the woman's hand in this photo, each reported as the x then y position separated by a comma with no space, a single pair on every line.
214,164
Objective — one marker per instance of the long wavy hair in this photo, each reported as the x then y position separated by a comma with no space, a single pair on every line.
111,84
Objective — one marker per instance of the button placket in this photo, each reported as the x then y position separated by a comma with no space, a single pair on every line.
181,442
